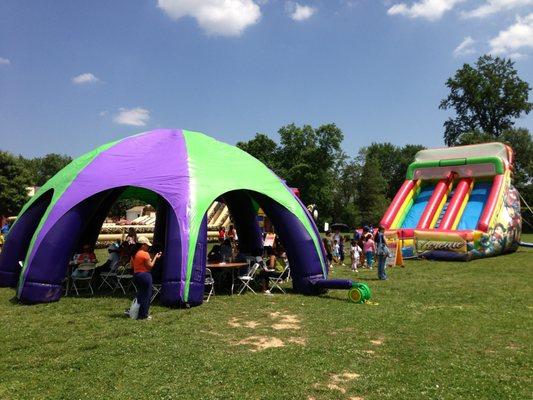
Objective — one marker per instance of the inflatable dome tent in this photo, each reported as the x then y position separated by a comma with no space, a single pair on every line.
184,172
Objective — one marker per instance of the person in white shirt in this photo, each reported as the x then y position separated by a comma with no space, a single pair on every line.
355,251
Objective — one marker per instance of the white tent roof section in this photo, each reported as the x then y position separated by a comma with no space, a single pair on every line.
475,150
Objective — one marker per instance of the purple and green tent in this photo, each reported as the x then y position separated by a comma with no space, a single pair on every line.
183,172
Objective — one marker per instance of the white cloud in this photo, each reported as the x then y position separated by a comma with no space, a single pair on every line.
517,36
428,9
133,116
494,6
215,17
465,48
85,78
299,12
5,61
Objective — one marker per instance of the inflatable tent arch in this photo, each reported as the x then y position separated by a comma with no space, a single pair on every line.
187,171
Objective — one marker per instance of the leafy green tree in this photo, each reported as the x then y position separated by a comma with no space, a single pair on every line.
345,207
486,98
307,157
41,169
14,180
393,161
372,188
49,165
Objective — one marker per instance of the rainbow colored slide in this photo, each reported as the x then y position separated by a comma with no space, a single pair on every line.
457,203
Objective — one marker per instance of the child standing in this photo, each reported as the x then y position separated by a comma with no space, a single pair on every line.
354,254
336,255
369,249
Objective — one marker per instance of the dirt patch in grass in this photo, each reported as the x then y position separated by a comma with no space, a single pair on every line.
337,382
285,321
298,340
377,342
260,343
239,323
344,377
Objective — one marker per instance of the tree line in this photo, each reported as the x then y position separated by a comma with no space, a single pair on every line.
486,97
18,173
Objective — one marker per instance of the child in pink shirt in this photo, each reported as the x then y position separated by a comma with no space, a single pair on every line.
369,247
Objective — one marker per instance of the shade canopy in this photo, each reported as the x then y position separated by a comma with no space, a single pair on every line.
184,172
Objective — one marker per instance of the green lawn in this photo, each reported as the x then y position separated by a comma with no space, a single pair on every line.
434,330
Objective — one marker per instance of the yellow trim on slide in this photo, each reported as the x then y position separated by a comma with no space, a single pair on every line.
463,205
396,222
499,203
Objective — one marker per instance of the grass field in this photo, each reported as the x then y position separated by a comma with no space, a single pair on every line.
434,330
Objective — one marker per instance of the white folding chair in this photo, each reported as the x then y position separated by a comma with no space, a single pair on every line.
209,281
156,289
87,277
276,281
124,278
248,278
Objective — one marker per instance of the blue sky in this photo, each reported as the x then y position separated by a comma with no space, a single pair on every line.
77,74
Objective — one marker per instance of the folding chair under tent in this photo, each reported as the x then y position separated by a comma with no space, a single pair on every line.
181,172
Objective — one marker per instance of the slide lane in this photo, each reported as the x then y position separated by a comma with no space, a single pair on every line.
457,204
417,208
435,223
435,203
397,203
474,207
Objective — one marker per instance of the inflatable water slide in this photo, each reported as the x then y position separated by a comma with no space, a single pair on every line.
457,203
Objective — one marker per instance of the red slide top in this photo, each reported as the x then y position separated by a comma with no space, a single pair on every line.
462,189
396,204
433,204
490,205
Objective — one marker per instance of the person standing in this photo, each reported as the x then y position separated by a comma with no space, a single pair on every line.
142,264
382,253
327,248
369,248
342,243
355,252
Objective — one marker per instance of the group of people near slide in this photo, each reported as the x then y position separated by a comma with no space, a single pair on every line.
365,248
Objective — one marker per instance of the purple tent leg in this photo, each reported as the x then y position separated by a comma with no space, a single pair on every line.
18,240
44,275
171,279
304,260
196,289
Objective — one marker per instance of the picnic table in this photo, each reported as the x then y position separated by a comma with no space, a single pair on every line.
228,266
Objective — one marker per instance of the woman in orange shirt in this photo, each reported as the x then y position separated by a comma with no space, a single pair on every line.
142,264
